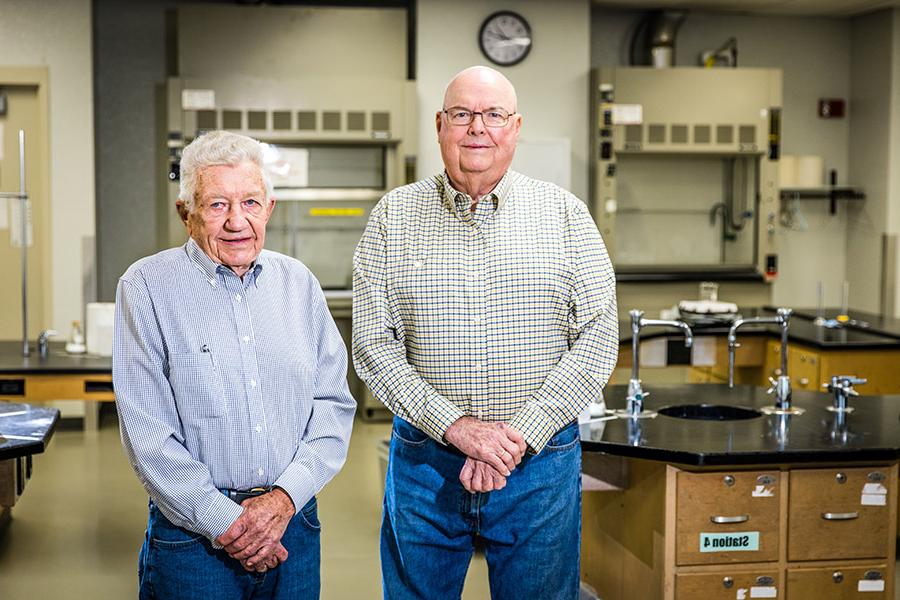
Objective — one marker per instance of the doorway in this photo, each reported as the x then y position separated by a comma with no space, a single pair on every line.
25,93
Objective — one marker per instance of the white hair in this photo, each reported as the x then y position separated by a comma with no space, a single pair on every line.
218,148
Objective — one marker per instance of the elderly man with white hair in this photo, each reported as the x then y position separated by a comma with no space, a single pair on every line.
484,317
230,379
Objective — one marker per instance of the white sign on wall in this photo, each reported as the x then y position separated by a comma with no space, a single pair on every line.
547,159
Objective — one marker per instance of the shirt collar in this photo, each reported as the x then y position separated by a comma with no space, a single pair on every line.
460,202
211,269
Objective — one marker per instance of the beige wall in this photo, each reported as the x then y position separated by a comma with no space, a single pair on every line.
57,34
552,82
307,43
892,222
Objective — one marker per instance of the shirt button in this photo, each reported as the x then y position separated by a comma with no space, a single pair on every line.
477,367
260,471
476,320
259,429
247,338
237,297
253,383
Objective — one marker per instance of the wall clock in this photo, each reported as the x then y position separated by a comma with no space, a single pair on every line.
505,38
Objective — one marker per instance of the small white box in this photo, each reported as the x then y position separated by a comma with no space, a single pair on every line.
99,335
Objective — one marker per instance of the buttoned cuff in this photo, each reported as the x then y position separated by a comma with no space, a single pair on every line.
438,416
298,483
534,425
218,518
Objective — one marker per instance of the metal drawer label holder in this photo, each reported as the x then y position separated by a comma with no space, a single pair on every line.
872,581
737,541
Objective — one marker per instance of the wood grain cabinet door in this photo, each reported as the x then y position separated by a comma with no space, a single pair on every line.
728,585
727,517
803,367
840,513
838,583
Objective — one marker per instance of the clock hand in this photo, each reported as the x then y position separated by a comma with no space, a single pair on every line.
498,33
519,41
506,35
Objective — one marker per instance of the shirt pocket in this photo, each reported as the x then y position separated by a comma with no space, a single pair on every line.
197,385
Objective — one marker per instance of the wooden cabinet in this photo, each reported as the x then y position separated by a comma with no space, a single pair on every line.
839,513
33,388
839,583
810,533
803,366
727,517
728,585
89,388
14,474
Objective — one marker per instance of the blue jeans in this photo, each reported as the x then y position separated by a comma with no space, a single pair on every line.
177,564
530,530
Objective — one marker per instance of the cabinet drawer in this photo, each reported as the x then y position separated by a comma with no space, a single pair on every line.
838,583
710,506
840,513
728,585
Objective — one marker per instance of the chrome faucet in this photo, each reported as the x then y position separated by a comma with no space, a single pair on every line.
782,386
635,398
43,341
842,388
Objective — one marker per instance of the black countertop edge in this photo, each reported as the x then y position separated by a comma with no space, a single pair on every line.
56,371
38,447
21,448
870,433
874,323
676,276
770,332
57,362
730,458
801,331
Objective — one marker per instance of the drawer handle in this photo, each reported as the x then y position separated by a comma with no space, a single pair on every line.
848,516
724,520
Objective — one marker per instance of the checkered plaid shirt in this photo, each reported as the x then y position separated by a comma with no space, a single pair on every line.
505,314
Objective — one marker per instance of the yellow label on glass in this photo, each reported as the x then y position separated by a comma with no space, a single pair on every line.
336,212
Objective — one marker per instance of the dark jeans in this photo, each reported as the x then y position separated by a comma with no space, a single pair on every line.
177,564
530,530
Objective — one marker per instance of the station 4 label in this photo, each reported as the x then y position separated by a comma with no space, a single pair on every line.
738,541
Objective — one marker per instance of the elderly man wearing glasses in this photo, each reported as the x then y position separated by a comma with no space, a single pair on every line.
484,317
231,386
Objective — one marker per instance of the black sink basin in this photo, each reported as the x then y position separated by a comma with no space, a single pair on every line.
709,412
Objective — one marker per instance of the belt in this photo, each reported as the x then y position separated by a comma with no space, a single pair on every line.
241,495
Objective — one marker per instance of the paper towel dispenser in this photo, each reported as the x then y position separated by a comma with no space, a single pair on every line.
99,327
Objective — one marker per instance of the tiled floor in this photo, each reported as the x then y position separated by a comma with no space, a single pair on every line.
77,529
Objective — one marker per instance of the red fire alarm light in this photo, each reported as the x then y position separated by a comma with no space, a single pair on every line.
831,108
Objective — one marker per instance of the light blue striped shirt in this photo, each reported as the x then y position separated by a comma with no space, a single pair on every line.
224,383
507,314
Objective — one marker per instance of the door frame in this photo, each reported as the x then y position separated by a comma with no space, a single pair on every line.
39,77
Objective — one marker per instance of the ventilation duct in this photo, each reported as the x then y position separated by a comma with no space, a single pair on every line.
653,41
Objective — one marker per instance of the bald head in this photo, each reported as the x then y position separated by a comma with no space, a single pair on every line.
477,155
480,77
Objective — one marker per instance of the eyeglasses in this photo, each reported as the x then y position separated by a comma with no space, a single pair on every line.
492,117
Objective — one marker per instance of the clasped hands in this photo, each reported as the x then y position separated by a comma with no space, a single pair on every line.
254,539
492,451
